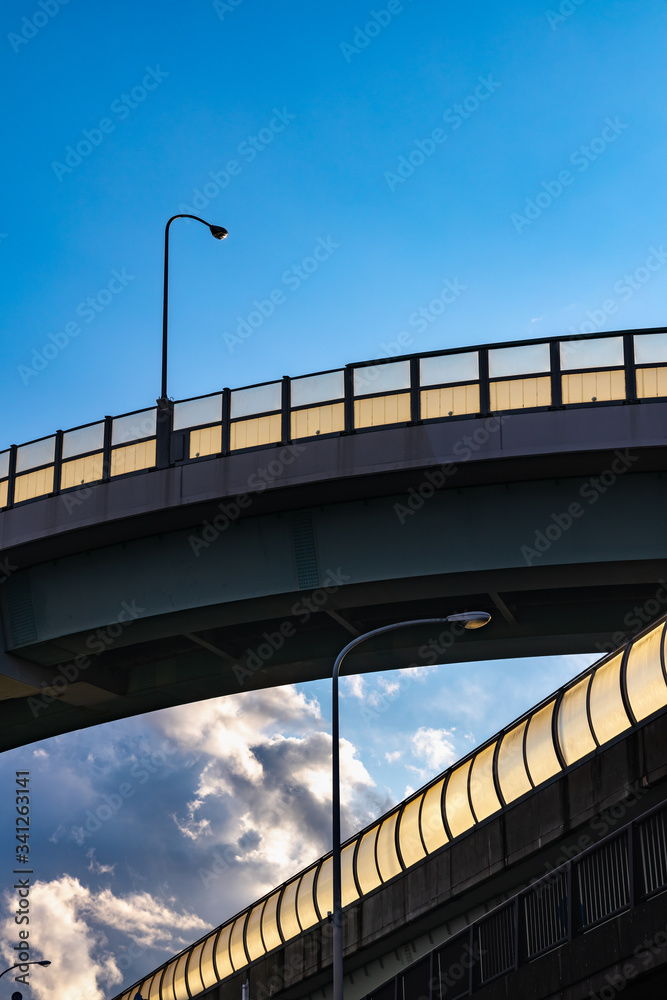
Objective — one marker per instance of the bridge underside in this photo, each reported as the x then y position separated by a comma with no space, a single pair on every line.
135,597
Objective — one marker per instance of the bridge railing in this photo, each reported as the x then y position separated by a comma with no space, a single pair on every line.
613,876
438,386
601,704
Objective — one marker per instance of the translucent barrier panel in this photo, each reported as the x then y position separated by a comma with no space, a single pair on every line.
387,857
180,989
260,399
132,458
449,402
519,360
81,470
83,439
154,992
382,410
193,412
289,923
650,347
606,702
651,382
593,387
167,986
367,872
457,803
318,420
325,887
134,426
207,441
514,780
409,839
317,388
4,464
348,886
270,931
574,733
145,988
606,351
33,484
4,488
207,969
540,754
432,827
29,456
255,432
645,680
483,793
222,960
236,949
306,899
195,981
449,368
253,934
520,393
382,378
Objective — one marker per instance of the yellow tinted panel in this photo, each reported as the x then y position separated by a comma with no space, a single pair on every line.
253,934
81,470
318,420
222,959
154,992
180,989
412,849
3,493
348,886
516,394
306,901
194,978
236,949
145,988
586,387
270,930
206,441
289,923
167,987
449,402
646,683
387,857
482,788
374,412
432,826
607,709
651,382
133,457
208,973
574,733
457,803
325,888
33,484
367,872
540,753
512,774
255,432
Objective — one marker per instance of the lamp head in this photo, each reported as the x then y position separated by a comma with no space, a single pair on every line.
45,963
219,232
471,619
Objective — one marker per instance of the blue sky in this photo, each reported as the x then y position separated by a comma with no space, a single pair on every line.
514,149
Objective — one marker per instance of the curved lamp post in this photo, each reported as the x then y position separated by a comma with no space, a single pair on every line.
18,965
219,233
470,620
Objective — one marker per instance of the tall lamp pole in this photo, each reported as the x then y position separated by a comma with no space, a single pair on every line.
470,619
219,233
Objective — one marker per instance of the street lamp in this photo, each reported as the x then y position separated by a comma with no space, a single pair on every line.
19,965
219,233
470,620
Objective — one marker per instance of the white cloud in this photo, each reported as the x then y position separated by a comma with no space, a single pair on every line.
354,685
40,753
393,756
434,747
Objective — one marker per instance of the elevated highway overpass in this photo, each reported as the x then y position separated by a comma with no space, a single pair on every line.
237,540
